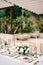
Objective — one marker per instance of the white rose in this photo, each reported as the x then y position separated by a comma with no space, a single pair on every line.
27,50
21,49
17,48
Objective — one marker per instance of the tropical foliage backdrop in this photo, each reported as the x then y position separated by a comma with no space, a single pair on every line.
21,23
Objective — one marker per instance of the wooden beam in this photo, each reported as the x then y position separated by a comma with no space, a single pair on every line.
0,26
11,18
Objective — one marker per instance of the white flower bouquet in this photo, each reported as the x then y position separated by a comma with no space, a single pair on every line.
24,50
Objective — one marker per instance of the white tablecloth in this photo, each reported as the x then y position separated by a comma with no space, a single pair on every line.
5,60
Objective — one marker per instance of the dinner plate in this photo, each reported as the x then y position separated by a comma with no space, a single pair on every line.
26,59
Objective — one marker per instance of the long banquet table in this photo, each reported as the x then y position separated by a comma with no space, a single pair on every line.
9,37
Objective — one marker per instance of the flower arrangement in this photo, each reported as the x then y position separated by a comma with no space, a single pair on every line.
24,50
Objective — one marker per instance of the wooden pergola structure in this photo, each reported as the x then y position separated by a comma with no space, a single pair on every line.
5,4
